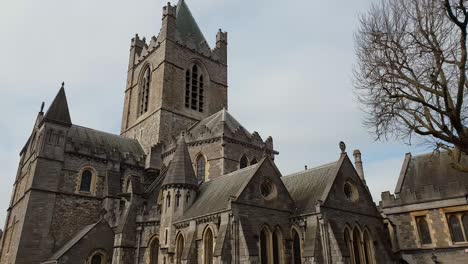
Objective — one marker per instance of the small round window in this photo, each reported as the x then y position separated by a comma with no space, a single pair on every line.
267,189
350,191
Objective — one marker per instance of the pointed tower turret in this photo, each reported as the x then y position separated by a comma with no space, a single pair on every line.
179,189
180,171
58,111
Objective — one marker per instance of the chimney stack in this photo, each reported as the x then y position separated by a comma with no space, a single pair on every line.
358,164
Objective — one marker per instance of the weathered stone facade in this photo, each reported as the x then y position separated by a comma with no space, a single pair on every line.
184,182
428,194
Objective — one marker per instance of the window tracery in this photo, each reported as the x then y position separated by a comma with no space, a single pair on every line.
144,91
194,88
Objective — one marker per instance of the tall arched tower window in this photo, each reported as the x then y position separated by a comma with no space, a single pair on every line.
144,91
194,88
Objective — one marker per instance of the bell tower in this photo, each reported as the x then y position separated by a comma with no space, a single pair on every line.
174,79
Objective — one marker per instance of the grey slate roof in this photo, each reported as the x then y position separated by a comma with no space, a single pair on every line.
107,141
430,169
58,111
186,24
218,121
180,169
307,187
78,236
214,195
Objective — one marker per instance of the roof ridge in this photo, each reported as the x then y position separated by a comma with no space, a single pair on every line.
311,169
104,132
232,173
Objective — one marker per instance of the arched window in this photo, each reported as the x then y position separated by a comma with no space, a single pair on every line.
187,198
357,246
168,199
179,248
455,229
144,91
253,161
97,259
347,239
297,258
177,198
86,178
368,249
277,247
265,250
154,251
194,89
208,247
243,162
423,229
201,168
465,224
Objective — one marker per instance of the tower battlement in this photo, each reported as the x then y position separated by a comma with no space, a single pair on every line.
169,10
137,42
222,36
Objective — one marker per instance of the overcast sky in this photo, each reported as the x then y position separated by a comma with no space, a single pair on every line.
290,74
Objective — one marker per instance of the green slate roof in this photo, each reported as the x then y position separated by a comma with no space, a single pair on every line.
214,195
107,141
307,187
218,121
432,169
186,24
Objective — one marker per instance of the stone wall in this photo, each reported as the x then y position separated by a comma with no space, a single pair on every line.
407,234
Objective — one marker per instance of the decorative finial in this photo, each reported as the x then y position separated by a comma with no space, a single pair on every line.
42,107
342,147
63,85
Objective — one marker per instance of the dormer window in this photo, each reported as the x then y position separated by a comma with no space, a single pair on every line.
194,89
144,91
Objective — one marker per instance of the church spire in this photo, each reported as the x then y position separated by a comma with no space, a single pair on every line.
180,171
58,110
186,26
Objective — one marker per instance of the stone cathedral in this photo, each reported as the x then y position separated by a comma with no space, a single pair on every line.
184,182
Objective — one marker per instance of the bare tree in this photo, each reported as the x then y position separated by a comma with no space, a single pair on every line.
411,74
